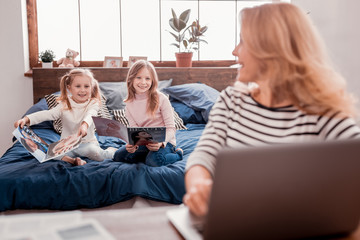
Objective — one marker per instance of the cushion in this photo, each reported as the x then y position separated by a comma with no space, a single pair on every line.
119,115
198,96
186,113
116,92
51,102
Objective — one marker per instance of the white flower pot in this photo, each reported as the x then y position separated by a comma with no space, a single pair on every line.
47,64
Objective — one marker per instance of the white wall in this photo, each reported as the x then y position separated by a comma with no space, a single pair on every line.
15,89
337,21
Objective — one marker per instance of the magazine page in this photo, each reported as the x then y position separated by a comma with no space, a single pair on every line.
32,142
86,229
30,224
61,225
63,146
143,136
112,128
40,149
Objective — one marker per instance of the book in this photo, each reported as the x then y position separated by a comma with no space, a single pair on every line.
131,135
41,150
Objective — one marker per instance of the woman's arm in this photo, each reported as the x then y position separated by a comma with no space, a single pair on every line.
198,183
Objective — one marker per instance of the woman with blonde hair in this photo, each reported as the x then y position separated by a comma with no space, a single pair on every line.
296,95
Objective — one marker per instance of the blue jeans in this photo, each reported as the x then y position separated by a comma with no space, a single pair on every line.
163,156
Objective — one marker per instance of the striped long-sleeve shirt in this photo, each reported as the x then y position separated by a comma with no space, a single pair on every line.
237,120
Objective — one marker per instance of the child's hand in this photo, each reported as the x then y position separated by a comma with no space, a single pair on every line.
131,148
154,146
22,122
83,129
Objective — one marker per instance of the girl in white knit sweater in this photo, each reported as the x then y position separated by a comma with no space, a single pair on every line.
78,102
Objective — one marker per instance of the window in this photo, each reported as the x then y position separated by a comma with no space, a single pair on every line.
121,28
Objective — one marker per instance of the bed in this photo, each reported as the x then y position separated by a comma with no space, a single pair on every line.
56,185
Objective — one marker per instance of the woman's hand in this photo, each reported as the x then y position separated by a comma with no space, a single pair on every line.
83,129
198,185
22,122
131,148
154,146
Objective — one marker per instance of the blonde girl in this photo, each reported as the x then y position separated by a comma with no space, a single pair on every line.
147,107
78,102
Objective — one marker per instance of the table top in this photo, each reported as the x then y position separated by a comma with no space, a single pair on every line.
136,223
148,223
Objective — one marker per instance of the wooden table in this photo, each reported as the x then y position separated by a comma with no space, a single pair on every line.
136,223
147,223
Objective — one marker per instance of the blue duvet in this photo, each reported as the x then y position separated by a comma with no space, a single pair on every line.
27,184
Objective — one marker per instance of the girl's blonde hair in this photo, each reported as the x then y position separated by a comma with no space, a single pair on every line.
68,79
292,55
153,97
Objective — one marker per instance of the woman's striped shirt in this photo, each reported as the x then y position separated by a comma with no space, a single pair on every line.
237,120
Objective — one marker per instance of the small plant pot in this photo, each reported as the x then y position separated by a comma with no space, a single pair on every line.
184,59
47,64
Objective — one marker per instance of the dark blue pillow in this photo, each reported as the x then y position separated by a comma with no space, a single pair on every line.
187,114
198,96
39,106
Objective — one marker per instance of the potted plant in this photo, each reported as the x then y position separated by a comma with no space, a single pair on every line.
47,58
187,37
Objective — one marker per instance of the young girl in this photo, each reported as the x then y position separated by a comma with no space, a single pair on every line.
79,101
147,107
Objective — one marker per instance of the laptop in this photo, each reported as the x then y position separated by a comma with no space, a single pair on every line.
292,191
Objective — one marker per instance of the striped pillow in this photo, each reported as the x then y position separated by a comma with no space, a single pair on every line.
119,115
51,102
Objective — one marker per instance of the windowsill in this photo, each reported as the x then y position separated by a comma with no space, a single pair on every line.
28,73
95,64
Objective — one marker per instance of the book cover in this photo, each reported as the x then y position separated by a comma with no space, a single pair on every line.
41,150
131,135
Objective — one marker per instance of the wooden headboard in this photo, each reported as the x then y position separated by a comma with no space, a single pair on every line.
47,80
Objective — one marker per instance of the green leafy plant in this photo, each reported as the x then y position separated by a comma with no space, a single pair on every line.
187,37
47,56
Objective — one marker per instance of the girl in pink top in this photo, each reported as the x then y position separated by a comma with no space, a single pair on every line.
147,107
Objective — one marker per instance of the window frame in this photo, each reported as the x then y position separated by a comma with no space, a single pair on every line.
34,46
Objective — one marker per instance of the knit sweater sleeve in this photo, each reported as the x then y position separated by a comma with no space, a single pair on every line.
92,110
45,115
130,117
168,117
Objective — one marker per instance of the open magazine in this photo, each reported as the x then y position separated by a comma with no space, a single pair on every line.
40,149
132,135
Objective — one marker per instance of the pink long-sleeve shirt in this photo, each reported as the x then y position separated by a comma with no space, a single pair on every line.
136,113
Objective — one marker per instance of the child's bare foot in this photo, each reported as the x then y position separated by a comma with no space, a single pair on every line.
74,161
79,162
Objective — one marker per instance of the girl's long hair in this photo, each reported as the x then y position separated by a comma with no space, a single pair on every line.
67,80
153,97
293,57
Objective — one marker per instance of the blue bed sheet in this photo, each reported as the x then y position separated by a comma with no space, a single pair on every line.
27,184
